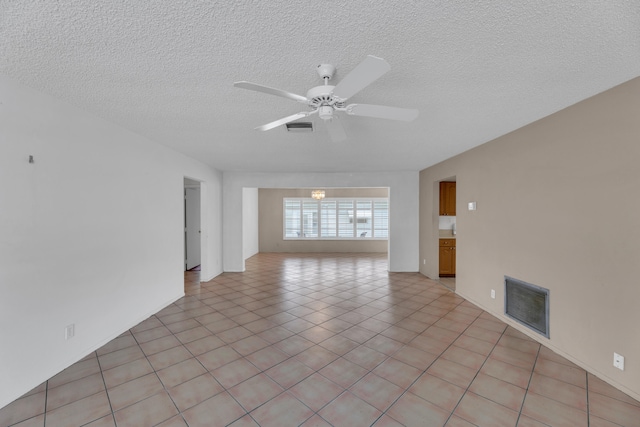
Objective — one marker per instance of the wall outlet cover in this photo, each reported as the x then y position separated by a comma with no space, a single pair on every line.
69,331
618,361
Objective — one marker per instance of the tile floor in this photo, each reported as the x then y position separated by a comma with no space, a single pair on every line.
321,340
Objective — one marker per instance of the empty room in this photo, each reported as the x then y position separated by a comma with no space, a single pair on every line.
368,213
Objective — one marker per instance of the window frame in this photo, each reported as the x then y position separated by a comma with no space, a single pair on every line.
317,228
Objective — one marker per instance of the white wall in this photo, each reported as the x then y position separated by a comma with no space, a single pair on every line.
90,234
250,240
403,200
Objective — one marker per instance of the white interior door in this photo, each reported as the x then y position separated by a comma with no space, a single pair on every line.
192,227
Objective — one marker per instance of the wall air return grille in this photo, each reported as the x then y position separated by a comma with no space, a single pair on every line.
527,304
300,127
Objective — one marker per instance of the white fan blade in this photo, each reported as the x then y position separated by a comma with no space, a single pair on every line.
335,129
270,90
382,112
282,121
368,71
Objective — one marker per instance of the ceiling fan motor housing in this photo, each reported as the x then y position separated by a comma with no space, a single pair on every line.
320,96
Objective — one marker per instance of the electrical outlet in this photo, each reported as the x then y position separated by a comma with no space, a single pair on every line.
618,361
424,262
493,294
69,331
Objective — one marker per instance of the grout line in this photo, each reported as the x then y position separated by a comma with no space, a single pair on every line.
46,396
526,391
587,391
106,389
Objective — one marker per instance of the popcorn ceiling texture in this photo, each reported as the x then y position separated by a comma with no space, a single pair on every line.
165,69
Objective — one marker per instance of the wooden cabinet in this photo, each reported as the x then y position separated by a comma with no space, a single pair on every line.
448,198
447,257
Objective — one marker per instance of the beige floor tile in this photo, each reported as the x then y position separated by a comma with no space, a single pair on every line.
170,357
498,391
194,391
411,410
283,410
397,372
572,375
365,357
481,411
106,421
506,372
37,421
120,357
596,385
437,391
221,410
376,391
559,390
289,372
23,409
316,391
267,357
234,373
334,333
343,372
452,372
552,412
79,412
255,391
349,410
614,410
148,412
181,372
127,372
79,370
134,391
74,390
316,357
464,357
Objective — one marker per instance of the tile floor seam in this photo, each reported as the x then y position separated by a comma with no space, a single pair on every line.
106,390
425,371
395,299
46,396
476,375
528,385
157,376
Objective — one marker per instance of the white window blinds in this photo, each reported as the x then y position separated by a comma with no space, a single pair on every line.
336,218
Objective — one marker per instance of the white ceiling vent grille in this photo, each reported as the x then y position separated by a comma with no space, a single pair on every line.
300,127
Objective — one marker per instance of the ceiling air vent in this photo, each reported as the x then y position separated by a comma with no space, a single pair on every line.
300,127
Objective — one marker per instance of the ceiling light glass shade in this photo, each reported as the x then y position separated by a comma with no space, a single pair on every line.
317,194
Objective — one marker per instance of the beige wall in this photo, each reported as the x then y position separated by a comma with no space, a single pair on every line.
558,205
270,223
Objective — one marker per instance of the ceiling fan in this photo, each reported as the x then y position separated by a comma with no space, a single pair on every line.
326,100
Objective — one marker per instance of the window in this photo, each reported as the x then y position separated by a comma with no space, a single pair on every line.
336,219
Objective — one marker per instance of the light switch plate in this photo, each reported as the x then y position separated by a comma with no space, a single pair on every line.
472,206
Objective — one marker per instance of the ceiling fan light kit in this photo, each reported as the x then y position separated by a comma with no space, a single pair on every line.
325,100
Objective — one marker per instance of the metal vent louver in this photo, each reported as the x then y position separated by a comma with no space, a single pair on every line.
300,127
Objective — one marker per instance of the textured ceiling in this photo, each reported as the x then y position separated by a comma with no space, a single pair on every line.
165,69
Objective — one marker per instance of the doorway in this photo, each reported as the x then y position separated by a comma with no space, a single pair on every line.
447,232
192,226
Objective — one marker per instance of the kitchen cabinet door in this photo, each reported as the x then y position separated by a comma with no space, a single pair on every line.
447,257
448,198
